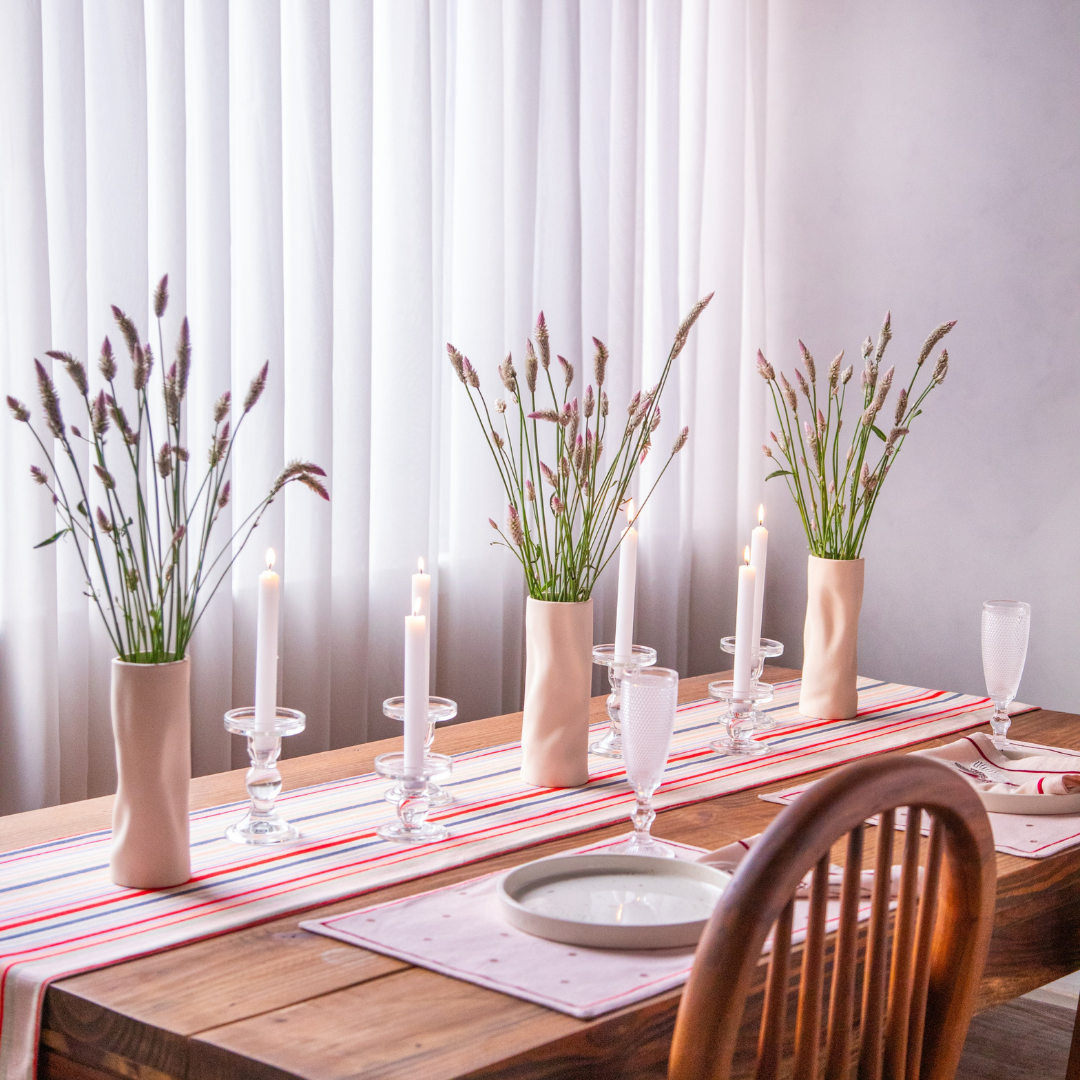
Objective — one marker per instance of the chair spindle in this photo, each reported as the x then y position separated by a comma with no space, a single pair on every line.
808,1018
842,998
774,1015
876,966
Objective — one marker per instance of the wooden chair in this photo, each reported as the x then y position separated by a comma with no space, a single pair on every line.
915,1012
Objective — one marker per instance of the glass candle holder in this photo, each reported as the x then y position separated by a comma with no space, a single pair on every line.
610,745
767,649
262,824
411,826
741,717
440,709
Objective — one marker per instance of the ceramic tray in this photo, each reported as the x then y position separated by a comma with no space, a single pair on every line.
612,901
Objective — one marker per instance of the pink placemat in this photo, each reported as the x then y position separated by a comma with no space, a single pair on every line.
1029,836
458,931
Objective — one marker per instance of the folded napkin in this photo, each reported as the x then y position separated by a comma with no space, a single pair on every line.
729,857
1041,772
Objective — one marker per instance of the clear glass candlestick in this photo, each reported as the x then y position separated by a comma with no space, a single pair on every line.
742,717
767,650
262,824
411,826
440,709
1005,628
649,700
610,745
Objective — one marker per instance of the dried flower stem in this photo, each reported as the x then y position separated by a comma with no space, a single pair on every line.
562,538
835,494
149,603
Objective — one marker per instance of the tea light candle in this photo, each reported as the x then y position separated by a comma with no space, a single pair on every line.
624,613
759,550
744,627
266,642
421,592
416,692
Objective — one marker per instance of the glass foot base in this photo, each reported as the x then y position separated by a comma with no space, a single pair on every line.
401,833
262,831
740,747
609,746
653,848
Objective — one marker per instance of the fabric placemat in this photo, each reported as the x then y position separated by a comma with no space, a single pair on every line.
458,931
1031,836
60,914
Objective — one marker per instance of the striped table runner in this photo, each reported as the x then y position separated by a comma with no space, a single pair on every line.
60,914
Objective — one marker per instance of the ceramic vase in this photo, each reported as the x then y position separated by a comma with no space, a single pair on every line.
151,717
558,689
834,591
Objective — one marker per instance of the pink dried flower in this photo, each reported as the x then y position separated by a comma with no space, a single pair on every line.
556,505
107,362
530,491
183,358
164,461
531,365
568,370
161,296
50,402
457,361
548,475
765,369
223,498
104,524
222,406
38,475
18,409
935,336
513,523
105,477
680,442
258,385
546,414
802,383
542,342
600,359
603,403
808,360
590,402
127,328
941,369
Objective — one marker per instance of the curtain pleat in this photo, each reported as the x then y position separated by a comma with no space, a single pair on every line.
338,188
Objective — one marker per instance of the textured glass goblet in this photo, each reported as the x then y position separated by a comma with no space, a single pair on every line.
649,697
1005,627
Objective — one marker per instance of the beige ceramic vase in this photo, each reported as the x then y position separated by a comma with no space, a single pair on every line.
558,687
151,716
834,590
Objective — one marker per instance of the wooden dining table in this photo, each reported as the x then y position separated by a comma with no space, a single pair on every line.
274,1001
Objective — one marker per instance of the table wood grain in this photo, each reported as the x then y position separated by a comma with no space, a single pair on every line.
272,1001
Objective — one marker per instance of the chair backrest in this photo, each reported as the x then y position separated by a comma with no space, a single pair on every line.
915,1010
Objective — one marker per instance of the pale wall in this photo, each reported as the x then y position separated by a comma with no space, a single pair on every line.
925,157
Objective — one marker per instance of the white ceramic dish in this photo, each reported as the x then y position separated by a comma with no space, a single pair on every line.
612,901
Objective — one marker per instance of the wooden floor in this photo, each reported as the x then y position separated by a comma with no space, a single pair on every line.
1021,1040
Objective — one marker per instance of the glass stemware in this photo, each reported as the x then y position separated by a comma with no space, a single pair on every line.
610,744
1005,627
649,698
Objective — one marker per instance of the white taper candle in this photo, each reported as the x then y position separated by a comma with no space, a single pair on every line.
266,645
624,612
421,591
744,627
416,694
759,550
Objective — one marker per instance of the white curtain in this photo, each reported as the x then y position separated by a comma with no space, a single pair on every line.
341,187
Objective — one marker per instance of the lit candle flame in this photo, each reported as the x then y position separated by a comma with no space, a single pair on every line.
271,558
630,512
761,514
416,606
420,564
746,555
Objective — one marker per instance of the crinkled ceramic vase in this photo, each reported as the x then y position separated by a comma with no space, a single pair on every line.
151,717
834,591
558,688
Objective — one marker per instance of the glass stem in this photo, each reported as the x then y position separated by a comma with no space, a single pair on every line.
263,781
643,816
999,725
